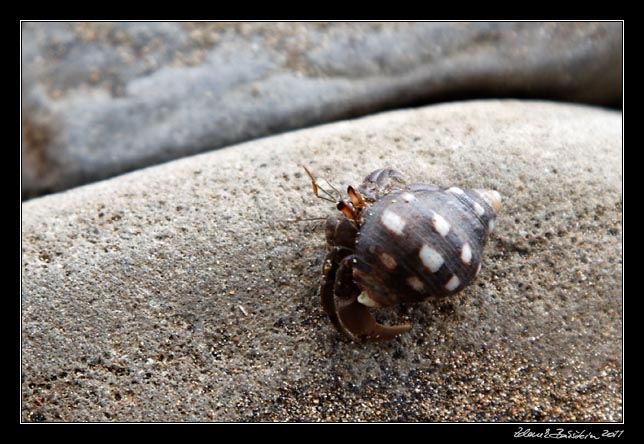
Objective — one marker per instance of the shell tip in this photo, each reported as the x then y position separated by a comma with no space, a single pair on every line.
493,198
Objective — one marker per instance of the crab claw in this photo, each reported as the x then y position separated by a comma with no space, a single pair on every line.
356,322
340,300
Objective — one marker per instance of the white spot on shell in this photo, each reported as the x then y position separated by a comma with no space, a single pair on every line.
408,197
478,209
393,222
388,261
491,224
415,283
466,253
431,258
440,224
456,190
453,283
364,299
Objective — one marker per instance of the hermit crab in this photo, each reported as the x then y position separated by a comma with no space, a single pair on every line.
394,242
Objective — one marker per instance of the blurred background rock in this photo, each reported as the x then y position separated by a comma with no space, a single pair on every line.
100,99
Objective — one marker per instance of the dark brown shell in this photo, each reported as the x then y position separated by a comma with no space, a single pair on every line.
422,242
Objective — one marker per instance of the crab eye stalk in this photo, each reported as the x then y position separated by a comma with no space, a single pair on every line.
356,197
347,210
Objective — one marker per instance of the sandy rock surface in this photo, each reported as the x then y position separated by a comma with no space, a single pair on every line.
100,99
189,291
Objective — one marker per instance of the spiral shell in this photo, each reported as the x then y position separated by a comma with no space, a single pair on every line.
422,242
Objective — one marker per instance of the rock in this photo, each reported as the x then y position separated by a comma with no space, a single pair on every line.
189,291
101,99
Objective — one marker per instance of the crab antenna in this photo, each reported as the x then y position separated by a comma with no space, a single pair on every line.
334,189
316,187
328,194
